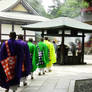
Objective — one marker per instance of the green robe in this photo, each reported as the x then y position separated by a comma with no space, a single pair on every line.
42,54
34,56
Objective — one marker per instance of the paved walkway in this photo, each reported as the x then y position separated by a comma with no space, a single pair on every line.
61,79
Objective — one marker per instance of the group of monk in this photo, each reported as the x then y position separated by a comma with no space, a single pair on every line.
19,58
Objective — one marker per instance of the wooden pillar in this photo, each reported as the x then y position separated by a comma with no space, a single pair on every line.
42,35
12,27
63,37
0,34
24,35
35,36
83,39
0,31
62,49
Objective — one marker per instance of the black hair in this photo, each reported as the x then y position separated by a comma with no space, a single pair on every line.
46,38
12,35
53,41
42,39
30,39
20,37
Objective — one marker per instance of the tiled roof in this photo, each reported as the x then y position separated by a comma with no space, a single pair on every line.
22,17
60,23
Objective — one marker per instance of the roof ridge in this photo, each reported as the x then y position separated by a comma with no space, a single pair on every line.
29,6
13,4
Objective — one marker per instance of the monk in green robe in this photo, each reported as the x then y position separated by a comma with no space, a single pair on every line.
52,55
34,56
43,56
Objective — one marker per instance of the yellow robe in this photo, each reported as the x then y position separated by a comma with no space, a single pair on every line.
52,55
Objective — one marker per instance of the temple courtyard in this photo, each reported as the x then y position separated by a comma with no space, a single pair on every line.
61,79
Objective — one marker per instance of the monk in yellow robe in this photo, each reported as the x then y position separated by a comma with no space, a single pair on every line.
51,52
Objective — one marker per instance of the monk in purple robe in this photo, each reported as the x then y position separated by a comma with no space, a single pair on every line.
16,49
27,62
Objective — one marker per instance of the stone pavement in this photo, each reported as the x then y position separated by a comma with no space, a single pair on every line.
61,79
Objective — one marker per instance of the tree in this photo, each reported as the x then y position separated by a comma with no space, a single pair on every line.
54,9
71,8
36,5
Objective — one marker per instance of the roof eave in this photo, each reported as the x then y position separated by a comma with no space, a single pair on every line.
63,27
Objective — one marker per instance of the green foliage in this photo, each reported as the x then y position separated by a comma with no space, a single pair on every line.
36,5
71,8
84,4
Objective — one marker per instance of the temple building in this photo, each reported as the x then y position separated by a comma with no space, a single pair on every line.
86,17
86,13
13,14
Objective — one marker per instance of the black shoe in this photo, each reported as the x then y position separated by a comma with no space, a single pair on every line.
32,78
39,74
43,73
24,84
7,90
50,70
19,85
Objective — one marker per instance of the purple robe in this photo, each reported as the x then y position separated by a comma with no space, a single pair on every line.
27,59
16,49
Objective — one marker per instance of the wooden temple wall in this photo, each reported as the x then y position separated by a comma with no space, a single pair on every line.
7,28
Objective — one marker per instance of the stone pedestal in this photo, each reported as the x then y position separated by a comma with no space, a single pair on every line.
81,85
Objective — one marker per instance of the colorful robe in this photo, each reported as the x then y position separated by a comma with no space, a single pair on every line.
27,62
16,49
51,51
42,54
33,55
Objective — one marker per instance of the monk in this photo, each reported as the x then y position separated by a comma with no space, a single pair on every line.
43,56
11,72
33,56
27,62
